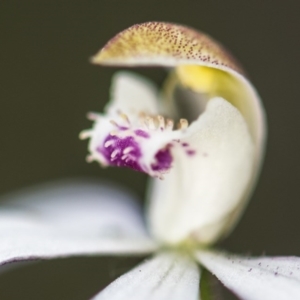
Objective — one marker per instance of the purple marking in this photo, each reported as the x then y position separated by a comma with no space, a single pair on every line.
142,133
163,160
190,152
185,144
120,144
123,127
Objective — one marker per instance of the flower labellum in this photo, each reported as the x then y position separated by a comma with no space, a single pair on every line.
134,136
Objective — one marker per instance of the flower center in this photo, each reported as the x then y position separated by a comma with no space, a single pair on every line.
143,143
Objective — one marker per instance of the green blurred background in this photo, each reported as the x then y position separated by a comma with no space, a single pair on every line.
47,86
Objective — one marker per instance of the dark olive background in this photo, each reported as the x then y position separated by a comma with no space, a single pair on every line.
47,86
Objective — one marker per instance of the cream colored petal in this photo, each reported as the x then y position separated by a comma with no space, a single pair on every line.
261,278
132,94
164,277
70,218
201,65
211,171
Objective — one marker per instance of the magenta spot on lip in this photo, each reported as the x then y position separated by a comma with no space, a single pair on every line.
123,127
190,152
163,160
142,133
120,144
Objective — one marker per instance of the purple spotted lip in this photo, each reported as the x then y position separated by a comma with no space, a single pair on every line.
126,152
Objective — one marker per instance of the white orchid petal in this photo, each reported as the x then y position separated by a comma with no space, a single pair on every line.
74,218
164,277
132,94
205,187
276,278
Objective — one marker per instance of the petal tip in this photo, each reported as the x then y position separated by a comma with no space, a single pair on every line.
97,59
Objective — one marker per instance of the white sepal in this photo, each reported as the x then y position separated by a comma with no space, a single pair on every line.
164,277
276,278
71,218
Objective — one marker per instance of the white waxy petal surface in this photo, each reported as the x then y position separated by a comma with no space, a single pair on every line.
132,94
202,189
71,218
276,278
164,277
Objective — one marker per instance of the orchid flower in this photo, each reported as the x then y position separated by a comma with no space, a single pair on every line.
202,173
